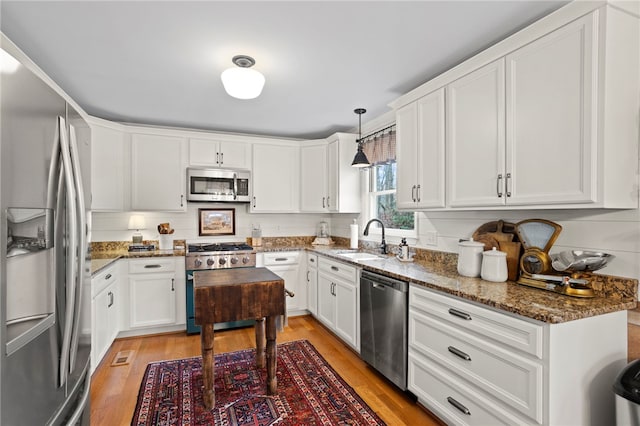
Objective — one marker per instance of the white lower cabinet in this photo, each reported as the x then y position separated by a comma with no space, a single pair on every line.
312,283
474,365
287,265
152,292
339,299
105,305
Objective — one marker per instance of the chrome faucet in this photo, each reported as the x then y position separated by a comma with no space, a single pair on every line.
383,245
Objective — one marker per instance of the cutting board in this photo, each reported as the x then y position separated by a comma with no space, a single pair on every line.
491,234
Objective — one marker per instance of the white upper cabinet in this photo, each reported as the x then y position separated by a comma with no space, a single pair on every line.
551,112
216,153
107,168
343,180
475,138
547,118
420,153
158,172
313,177
275,178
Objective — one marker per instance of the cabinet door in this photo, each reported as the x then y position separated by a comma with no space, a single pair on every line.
158,173
152,299
181,292
313,179
107,169
326,300
235,155
346,312
100,325
343,181
204,152
275,178
289,273
430,155
550,116
312,290
406,154
476,138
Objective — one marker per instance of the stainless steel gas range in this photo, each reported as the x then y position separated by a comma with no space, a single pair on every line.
212,256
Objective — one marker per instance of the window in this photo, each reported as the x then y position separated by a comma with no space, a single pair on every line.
382,200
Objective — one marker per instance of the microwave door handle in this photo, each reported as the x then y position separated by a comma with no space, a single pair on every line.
235,186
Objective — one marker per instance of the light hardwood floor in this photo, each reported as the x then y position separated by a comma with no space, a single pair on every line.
114,389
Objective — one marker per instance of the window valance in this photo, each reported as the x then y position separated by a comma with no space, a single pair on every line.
380,147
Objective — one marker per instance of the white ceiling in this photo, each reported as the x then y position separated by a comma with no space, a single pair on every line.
159,62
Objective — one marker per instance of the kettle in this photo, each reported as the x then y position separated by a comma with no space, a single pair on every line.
470,258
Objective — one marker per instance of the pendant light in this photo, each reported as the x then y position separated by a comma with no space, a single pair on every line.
360,160
242,82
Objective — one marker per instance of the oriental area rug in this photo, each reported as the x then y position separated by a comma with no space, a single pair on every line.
310,392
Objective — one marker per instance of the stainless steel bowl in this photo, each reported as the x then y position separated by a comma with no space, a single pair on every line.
579,260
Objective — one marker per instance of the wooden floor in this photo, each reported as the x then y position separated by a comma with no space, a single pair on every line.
114,389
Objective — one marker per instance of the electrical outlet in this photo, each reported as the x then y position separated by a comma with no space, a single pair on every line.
431,238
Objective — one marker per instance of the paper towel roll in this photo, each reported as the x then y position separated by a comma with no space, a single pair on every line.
354,236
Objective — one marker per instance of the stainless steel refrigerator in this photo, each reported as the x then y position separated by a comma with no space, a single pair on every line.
44,257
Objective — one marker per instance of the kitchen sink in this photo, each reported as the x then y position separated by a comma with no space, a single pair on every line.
362,256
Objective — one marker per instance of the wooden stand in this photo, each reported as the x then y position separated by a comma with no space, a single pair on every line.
234,295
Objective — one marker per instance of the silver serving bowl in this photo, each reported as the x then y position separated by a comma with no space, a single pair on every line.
579,260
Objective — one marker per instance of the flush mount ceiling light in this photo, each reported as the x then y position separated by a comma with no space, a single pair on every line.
360,160
242,82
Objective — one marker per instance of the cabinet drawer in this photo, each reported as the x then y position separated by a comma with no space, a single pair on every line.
338,269
281,258
511,378
312,260
105,278
504,329
453,400
153,265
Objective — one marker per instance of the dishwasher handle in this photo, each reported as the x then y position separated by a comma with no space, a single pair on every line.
377,280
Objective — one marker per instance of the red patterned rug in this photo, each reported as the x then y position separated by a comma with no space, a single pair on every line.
310,392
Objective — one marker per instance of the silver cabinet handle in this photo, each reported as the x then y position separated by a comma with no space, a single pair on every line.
418,192
152,266
499,185
323,206
110,294
181,200
457,352
308,276
507,186
281,259
222,158
217,158
335,268
108,276
328,204
413,193
459,406
460,314
173,286
254,202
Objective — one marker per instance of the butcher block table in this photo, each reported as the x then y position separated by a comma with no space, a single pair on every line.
233,295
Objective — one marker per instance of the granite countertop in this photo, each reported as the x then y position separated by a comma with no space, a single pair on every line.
509,296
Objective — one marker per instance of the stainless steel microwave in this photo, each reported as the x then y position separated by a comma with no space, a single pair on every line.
218,185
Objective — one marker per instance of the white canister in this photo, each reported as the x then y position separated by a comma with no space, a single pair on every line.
470,258
494,266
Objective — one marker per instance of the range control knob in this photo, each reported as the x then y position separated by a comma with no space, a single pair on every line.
197,262
222,261
246,259
210,261
234,260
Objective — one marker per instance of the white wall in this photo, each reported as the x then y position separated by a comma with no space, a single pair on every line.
113,226
616,232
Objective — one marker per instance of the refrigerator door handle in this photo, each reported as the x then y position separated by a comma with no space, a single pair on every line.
72,249
82,404
82,247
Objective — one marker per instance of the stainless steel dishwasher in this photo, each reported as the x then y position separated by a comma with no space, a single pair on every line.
383,325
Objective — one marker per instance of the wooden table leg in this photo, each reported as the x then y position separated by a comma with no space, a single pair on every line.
272,380
260,343
208,364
